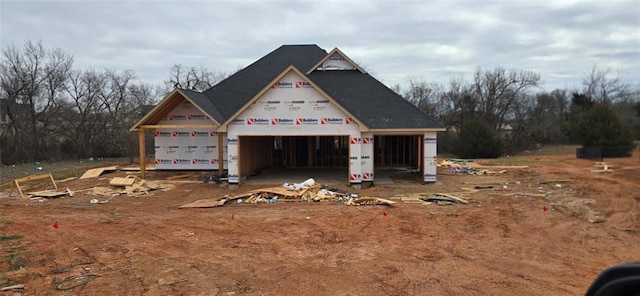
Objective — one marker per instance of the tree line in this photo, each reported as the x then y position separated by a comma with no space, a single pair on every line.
50,110
53,111
504,111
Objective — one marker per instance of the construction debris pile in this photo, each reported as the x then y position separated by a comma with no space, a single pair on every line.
468,166
129,185
307,191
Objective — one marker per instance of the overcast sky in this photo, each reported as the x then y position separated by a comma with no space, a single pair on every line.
562,40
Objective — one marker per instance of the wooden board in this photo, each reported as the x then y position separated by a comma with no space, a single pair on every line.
118,181
95,172
183,176
459,199
203,203
47,193
16,183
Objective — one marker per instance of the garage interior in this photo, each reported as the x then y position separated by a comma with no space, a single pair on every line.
279,158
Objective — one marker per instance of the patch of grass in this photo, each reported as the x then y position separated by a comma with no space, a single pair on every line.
10,237
5,282
16,262
13,251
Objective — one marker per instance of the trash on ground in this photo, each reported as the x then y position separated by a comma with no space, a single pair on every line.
297,186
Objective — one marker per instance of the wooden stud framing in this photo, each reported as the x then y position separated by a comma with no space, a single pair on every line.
220,154
16,182
143,161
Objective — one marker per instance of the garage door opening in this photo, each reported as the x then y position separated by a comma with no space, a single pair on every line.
259,153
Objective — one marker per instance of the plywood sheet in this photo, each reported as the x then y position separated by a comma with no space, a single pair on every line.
118,181
47,193
93,173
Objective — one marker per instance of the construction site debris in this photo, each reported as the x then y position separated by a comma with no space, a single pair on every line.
67,179
457,166
12,287
602,167
369,201
184,176
47,194
307,191
141,187
95,172
119,181
446,196
297,186
16,182
216,179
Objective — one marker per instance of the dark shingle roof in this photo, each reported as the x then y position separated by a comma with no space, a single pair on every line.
370,101
366,98
234,92
204,103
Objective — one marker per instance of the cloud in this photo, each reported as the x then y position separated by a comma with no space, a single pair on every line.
434,40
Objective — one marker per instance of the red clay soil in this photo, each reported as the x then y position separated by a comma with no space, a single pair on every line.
501,243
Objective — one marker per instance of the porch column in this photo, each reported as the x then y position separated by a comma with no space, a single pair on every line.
220,153
367,157
429,157
143,161
355,167
233,159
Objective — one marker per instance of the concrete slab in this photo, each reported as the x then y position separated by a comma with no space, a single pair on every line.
327,176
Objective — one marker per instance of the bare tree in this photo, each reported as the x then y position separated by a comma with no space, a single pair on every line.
31,80
198,79
426,96
497,93
602,86
83,120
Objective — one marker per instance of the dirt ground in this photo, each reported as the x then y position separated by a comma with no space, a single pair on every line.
518,238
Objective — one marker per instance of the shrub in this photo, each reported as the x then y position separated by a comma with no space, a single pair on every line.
477,140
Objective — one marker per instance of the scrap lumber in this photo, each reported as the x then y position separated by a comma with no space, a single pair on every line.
119,181
413,198
444,197
67,179
98,190
12,287
16,182
370,201
526,194
459,199
184,176
95,172
48,193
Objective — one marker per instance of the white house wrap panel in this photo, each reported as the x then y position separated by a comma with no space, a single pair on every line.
430,152
366,158
292,107
186,148
337,62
